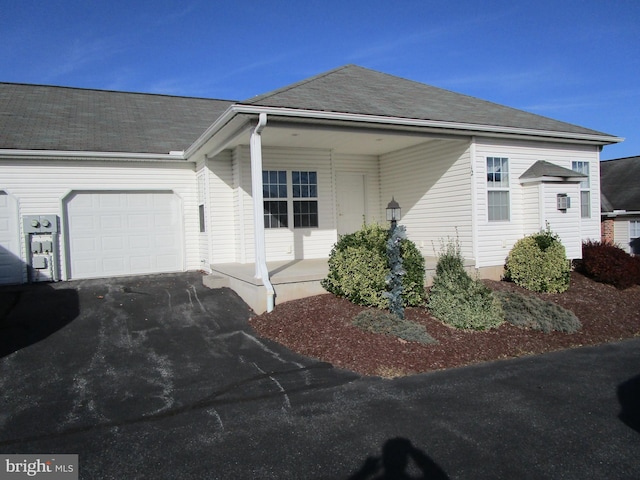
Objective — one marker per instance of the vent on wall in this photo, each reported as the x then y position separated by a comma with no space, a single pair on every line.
564,202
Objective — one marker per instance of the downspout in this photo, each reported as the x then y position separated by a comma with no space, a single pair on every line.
261,272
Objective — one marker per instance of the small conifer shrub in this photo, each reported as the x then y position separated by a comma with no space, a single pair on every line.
459,300
538,314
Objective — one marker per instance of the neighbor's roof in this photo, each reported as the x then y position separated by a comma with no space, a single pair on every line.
357,90
620,184
543,169
35,117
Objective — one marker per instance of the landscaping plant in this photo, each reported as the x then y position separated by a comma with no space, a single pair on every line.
385,323
459,300
538,314
359,267
539,263
607,263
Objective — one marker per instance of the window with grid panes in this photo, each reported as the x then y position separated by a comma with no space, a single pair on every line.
498,189
305,186
585,189
274,186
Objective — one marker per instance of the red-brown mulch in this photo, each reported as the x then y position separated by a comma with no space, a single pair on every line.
320,327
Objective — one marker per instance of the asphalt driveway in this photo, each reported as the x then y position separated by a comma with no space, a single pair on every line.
159,377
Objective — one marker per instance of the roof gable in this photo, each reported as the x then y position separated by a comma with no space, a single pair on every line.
620,183
357,90
35,117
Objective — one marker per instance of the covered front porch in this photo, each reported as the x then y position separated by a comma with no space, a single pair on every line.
291,279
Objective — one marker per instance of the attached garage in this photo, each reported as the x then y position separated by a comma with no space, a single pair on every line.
11,266
123,233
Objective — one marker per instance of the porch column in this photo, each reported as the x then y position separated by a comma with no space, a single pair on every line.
255,145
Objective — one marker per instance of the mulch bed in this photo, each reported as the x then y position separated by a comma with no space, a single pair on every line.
320,327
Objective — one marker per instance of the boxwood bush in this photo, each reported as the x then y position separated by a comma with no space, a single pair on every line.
358,268
539,263
459,300
610,264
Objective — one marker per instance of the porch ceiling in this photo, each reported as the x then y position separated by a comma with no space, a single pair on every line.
339,138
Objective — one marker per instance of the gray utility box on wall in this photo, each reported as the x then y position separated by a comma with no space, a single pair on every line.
41,244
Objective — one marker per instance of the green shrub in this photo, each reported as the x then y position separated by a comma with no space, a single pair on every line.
539,263
358,268
610,264
536,313
459,300
378,321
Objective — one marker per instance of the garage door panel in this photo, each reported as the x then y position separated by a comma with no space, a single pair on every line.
125,233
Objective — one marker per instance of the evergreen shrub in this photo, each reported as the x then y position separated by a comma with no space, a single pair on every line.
379,321
459,300
358,268
538,314
539,263
610,264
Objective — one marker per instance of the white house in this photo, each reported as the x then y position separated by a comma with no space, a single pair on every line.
258,191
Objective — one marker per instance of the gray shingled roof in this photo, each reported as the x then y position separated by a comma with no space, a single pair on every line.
542,169
620,184
34,117
354,89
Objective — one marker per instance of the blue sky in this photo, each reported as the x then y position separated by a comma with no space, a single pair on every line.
576,61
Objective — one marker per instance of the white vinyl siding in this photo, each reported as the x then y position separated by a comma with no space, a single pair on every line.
41,187
11,265
495,239
432,184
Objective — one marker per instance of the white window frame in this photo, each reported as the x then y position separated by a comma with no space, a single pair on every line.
300,200
582,166
498,186
634,234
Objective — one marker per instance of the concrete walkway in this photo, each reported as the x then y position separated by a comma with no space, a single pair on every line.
159,377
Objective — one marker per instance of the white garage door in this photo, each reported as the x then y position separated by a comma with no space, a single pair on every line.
123,233
11,267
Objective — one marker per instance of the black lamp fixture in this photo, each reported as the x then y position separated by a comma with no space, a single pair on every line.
393,213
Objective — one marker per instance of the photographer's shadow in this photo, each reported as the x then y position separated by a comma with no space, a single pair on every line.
395,464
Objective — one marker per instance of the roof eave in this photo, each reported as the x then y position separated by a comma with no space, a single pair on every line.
467,128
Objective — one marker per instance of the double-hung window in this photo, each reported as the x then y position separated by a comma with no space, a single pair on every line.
274,191
301,199
498,189
305,186
585,190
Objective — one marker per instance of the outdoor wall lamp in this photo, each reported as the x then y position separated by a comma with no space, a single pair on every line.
393,213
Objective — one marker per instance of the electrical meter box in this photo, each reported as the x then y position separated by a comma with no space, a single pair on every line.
41,244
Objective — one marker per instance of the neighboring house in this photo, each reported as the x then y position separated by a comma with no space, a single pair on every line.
254,189
620,202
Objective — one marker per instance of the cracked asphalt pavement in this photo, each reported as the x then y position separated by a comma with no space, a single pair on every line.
159,377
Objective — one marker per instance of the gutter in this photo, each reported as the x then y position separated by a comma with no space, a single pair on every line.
57,154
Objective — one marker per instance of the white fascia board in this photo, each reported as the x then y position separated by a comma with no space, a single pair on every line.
551,179
409,122
60,154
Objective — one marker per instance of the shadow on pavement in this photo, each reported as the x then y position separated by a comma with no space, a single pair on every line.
30,313
395,464
629,398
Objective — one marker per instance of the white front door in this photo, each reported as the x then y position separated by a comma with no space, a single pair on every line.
351,205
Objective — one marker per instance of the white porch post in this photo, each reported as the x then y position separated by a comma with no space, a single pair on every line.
255,145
